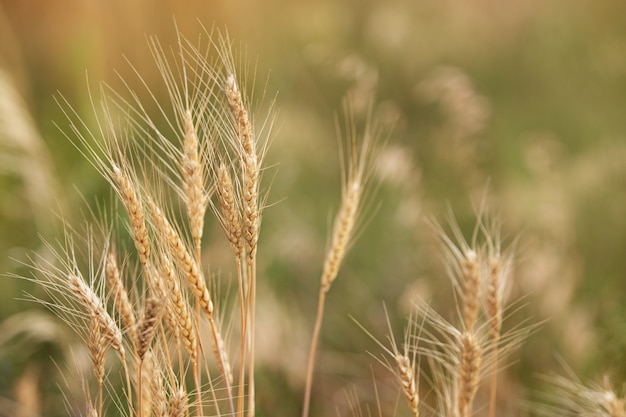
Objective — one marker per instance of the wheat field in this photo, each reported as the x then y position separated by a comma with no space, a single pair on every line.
157,287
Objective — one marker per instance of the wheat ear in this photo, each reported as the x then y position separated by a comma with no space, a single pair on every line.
178,404
406,375
120,296
230,215
196,197
146,330
343,229
181,312
97,349
95,308
246,145
494,314
198,287
470,268
469,372
133,207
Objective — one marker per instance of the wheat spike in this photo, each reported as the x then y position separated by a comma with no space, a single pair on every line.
249,163
146,375
237,108
196,197
406,375
179,305
159,400
183,259
231,218
95,308
178,404
471,288
342,232
135,213
97,348
471,358
148,325
120,296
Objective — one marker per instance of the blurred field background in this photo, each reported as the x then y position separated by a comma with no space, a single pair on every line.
522,101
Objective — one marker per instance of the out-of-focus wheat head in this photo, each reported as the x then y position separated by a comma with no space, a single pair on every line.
23,152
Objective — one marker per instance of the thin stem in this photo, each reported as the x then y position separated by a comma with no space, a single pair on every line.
252,307
244,338
312,352
494,379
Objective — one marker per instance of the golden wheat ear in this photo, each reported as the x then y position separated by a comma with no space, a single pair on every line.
357,163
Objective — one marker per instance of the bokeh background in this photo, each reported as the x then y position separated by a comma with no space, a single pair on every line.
520,104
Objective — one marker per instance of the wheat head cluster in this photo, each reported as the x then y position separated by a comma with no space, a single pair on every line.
142,296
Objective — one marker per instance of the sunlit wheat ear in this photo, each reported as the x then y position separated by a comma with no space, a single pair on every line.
147,327
249,164
196,196
196,282
178,404
229,212
145,382
403,362
130,199
469,372
356,159
463,263
94,306
356,167
184,260
160,291
120,295
245,131
186,330
158,393
97,348
569,396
